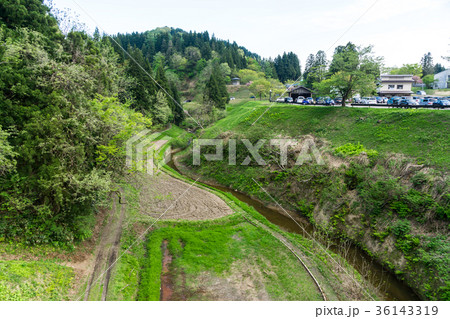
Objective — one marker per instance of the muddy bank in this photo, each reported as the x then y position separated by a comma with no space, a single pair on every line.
166,278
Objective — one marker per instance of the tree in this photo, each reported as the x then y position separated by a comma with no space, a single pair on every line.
216,90
247,75
142,87
344,57
287,67
438,68
268,68
7,154
427,64
315,69
355,71
414,69
31,14
309,65
162,112
260,87
429,80
319,69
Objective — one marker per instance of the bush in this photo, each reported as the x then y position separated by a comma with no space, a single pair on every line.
350,149
401,228
419,179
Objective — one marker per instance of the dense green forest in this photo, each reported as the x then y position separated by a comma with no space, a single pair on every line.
69,101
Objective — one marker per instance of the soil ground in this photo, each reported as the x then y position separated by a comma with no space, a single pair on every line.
164,195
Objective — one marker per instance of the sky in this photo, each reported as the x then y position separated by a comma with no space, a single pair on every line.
401,31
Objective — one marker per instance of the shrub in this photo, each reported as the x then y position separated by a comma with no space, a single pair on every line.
400,208
401,228
350,149
419,179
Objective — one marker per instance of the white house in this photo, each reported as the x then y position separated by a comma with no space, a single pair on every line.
442,80
395,85
235,81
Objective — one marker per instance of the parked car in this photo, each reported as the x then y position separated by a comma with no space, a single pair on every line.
369,100
232,98
280,100
253,97
441,103
357,100
393,101
300,99
421,93
288,100
329,102
406,103
338,100
427,101
320,100
417,99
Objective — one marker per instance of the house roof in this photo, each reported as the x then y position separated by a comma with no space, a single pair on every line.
300,89
397,81
443,72
395,92
396,75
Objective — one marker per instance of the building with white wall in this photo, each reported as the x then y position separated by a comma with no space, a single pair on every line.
442,80
395,85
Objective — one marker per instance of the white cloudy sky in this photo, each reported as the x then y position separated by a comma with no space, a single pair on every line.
400,30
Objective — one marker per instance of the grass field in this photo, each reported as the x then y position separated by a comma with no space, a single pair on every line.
422,134
219,250
34,280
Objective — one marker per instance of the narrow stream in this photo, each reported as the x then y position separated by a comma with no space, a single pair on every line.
391,287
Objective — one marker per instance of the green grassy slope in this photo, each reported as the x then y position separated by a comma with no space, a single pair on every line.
395,209
423,134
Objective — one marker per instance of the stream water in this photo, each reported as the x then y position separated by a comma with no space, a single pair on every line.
390,286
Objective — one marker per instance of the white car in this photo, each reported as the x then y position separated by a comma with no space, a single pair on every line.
416,100
280,99
369,100
421,93
300,99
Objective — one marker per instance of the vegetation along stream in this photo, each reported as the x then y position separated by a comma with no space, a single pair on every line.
377,275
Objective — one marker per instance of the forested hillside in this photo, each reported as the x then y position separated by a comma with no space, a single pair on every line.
189,57
70,100
62,127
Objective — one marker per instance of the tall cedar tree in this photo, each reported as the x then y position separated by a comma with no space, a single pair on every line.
216,90
143,87
172,95
287,67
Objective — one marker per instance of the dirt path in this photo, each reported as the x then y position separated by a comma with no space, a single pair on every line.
166,278
106,253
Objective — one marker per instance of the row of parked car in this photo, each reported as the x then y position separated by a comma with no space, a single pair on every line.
396,101
309,100
416,101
